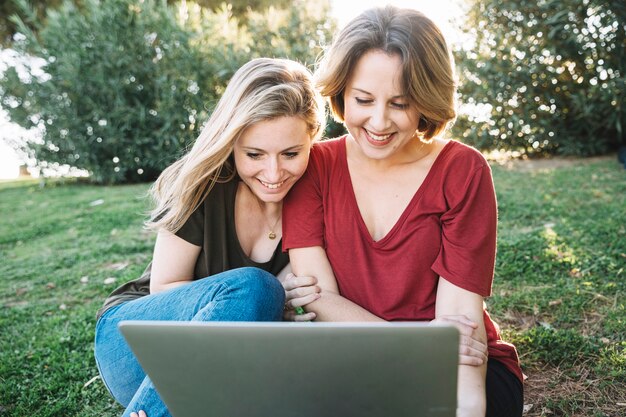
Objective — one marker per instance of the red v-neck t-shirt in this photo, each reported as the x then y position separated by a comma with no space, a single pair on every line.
448,229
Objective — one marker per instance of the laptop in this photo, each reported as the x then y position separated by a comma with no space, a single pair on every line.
244,369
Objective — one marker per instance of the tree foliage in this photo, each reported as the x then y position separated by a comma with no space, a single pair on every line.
40,8
548,75
9,7
123,86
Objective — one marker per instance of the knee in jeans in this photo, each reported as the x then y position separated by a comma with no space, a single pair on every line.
262,286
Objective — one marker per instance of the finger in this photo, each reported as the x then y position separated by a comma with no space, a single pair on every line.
464,329
305,317
470,360
473,360
470,351
473,347
472,343
460,319
295,282
289,315
472,356
302,301
302,291
133,414
142,413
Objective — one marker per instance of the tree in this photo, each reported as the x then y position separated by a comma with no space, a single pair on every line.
10,7
40,8
124,85
119,93
549,73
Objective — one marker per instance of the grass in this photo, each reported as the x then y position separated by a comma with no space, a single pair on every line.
558,292
560,284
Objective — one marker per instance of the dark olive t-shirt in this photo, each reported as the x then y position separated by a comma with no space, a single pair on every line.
212,227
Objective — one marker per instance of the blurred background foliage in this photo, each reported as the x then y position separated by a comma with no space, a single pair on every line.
39,8
120,88
547,76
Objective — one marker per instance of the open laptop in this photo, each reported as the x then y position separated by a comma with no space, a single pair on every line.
243,369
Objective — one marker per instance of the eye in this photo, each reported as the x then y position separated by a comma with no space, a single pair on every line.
400,106
253,155
291,155
362,101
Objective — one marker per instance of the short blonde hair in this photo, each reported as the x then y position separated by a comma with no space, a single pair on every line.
263,89
427,76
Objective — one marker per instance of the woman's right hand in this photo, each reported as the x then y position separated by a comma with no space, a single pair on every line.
299,291
140,414
471,351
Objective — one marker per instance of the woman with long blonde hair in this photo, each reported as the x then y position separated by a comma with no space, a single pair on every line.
218,212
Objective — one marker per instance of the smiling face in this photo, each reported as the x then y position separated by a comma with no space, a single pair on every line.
378,114
272,155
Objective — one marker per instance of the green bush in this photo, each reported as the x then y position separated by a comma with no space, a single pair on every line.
121,90
125,85
550,74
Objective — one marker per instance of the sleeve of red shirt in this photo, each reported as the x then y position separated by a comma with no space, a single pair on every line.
468,238
303,212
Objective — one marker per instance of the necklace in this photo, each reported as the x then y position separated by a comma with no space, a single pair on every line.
271,234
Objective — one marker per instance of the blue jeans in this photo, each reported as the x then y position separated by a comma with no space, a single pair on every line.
244,294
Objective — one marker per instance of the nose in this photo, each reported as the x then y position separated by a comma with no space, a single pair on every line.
378,118
273,169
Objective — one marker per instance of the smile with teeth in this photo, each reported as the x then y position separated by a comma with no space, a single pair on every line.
272,186
379,138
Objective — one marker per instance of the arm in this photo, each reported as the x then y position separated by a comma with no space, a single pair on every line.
314,262
173,262
453,300
284,274
330,306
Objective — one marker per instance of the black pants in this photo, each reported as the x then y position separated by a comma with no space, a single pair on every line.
505,392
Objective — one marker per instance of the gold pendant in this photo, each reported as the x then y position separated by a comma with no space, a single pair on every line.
272,235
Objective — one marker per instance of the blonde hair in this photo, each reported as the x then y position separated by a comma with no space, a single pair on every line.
427,76
263,89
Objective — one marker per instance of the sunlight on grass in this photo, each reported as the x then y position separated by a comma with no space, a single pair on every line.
559,251
558,292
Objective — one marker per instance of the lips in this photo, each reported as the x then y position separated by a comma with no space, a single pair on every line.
378,139
272,186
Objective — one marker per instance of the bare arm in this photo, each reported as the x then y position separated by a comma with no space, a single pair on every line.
330,306
453,300
173,262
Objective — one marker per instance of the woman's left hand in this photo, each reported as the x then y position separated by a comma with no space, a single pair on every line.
472,351
299,291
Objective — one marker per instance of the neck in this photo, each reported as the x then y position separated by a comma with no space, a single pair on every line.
271,210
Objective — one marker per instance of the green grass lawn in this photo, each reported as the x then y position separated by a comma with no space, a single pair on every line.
558,292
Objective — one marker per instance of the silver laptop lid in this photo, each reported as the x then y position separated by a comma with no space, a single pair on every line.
226,369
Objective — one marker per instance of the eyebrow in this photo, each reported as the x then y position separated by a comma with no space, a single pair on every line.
367,92
291,148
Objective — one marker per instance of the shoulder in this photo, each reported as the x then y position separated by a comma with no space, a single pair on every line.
221,195
328,148
224,186
461,169
463,157
325,153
